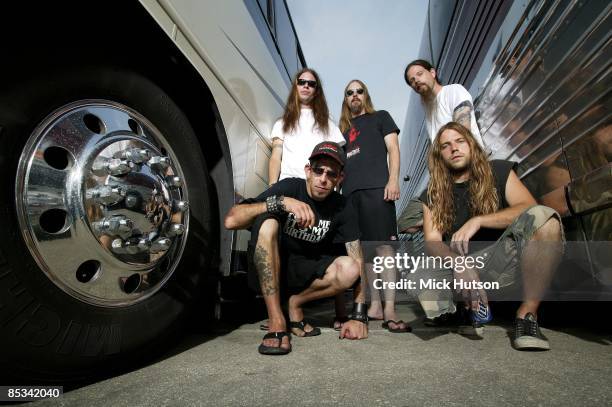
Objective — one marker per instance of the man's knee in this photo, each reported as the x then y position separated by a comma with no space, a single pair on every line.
385,251
268,230
550,230
346,270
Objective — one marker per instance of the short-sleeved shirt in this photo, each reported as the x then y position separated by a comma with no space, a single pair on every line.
335,220
366,152
298,144
501,172
441,110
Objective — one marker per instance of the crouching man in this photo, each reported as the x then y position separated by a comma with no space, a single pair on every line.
471,199
295,226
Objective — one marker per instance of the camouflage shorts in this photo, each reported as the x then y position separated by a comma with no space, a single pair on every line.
502,263
503,257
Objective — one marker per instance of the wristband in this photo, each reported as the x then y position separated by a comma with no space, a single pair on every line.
359,313
275,204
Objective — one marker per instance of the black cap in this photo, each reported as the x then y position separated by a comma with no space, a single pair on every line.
329,149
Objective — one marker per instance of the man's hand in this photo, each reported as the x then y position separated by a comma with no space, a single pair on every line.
304,215
352,329
469,276
392,191
461,238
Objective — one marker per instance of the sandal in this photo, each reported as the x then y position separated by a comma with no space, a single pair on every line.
302,326
386,325
275,350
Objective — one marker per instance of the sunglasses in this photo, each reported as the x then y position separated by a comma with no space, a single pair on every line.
331,174
351,91
303,82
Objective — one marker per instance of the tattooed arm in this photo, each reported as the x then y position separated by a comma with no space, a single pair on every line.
274,166
463,114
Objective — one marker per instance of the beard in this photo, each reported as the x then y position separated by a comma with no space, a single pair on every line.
356,106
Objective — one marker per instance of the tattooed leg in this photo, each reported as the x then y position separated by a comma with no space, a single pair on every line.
267,263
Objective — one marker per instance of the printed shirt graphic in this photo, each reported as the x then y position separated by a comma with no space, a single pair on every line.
366,151
335,220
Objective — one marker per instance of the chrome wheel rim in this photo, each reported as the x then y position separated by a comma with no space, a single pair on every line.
102,203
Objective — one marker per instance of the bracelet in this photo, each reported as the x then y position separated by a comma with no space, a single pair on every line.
275,204
359,313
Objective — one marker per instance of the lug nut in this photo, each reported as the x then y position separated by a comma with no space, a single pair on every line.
159,163
113,166
106,194
115,226
175,229
136,155
161,244
131,246
117,166
174,181
180,206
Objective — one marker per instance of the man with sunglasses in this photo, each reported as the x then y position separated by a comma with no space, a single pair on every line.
304,124
295,227
372,185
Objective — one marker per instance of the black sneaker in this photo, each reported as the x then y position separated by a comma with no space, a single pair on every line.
446,320
527,334
467,326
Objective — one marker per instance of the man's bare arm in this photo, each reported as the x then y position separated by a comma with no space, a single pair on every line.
274,165
392,191
518,198
241,216
353,249
462,114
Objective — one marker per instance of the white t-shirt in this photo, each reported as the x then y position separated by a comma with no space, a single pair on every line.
441,111
298,145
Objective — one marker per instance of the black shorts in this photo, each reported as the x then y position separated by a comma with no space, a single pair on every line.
377,222
297,271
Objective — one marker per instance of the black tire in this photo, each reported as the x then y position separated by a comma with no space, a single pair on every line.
45,333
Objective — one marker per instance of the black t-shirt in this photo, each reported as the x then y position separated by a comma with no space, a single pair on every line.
366,151
335,220
501,171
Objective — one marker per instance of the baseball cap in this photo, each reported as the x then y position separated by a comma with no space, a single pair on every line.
331,150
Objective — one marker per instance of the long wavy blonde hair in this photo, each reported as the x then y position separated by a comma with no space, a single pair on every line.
345,116
483,197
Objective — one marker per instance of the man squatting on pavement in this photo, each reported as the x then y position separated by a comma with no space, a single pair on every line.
372,186
442,104
293,227
471,199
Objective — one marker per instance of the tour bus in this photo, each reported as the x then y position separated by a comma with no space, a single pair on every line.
540,75
128,130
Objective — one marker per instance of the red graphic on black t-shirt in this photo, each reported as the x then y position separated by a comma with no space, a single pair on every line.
353,134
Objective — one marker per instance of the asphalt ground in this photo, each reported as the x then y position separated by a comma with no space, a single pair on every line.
428,367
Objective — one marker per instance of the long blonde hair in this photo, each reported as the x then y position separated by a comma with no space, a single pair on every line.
345,116
482,192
